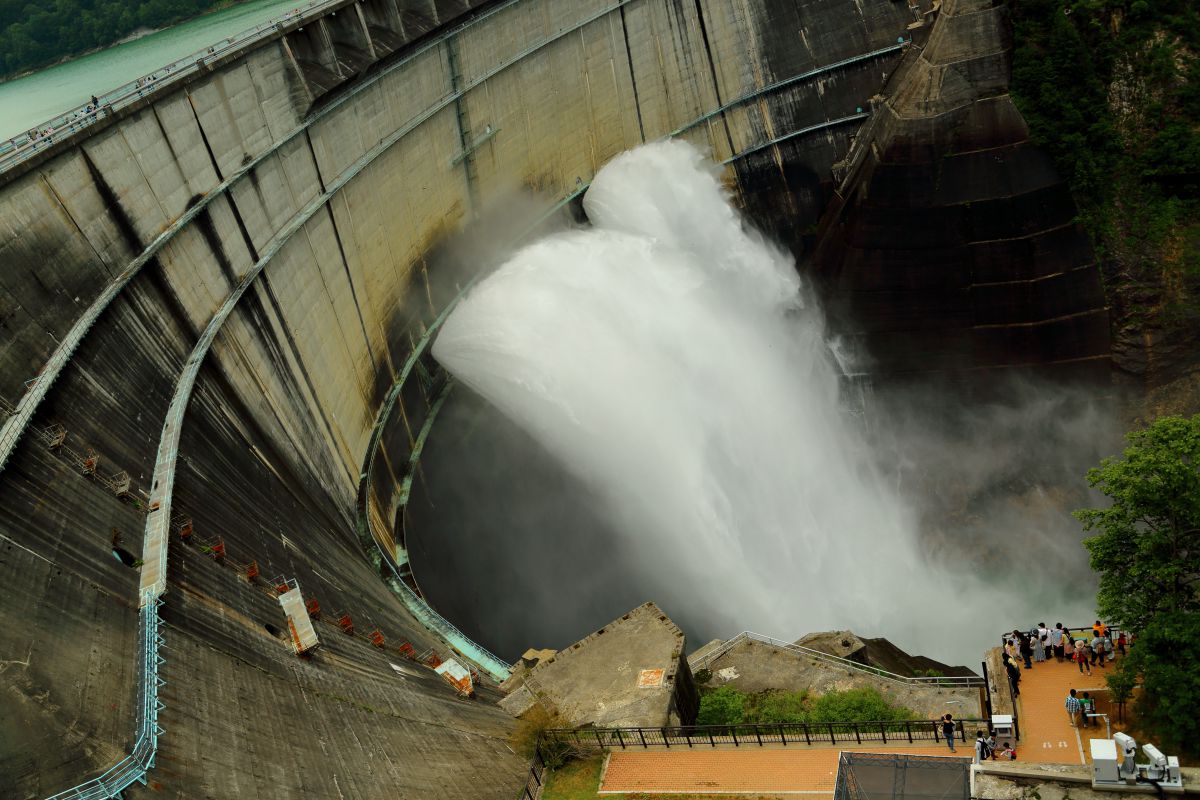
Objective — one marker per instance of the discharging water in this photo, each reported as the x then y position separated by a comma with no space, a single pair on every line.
674,362
28,101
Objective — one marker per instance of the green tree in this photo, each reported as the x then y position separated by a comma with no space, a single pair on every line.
1147,543
1166,655
1147,552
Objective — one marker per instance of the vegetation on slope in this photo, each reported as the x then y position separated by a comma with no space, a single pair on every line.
1146,549
36,34
728,706
1111,89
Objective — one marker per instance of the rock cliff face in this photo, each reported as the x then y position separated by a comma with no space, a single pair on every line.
877,652
950,246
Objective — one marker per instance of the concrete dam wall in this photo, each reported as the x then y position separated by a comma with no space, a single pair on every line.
214,372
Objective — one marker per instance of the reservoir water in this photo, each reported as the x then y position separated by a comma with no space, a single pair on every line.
28,101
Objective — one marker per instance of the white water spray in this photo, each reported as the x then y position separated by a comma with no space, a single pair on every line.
674,361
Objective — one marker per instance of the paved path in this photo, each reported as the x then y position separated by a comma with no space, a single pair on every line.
809,771
1046,735
1046,738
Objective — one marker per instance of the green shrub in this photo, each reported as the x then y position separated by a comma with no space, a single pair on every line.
728,706
723,706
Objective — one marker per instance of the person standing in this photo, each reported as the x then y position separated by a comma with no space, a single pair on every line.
1099,629
1026,650
1121,643
1082,658
1087,707
1102,648
948,730
1014,675
1056,641
981,748
1072,708
1039,648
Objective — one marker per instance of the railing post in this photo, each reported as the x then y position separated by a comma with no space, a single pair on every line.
642,736
807,737
883,730
733,730
758,734
857,734
666,741
620,739
782,735
908,730
711,740
832,739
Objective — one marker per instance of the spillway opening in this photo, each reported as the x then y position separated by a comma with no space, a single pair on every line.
125,557
654,408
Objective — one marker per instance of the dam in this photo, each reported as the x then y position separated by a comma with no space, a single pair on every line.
219,301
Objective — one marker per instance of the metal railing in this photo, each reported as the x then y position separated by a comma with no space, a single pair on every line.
760,734
133,768
706,659
23,146
535,777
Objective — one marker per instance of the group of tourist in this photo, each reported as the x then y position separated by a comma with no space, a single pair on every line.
1041,643
985,742
37,134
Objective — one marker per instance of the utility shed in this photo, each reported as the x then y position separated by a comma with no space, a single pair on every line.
630,673
304,638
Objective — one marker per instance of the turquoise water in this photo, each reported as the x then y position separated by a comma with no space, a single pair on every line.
26,102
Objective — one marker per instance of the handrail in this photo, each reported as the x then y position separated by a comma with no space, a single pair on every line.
1112,629
532,789
23,146
749,636
133,767
759,733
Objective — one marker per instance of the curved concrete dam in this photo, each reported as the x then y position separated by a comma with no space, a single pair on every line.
218,301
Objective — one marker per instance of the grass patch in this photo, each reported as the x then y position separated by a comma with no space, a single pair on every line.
576,780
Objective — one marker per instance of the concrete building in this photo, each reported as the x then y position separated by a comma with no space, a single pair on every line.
216,309
629,674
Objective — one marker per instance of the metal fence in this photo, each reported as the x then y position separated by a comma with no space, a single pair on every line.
704,661
532,789
23,146
759,734
132,769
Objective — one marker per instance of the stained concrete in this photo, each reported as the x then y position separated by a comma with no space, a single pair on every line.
273,442
753,667
629,674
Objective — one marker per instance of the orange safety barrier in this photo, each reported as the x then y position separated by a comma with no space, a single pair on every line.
376,638
185,530
407,650
252,570
314,608
218,550
282,588
434,659
346,623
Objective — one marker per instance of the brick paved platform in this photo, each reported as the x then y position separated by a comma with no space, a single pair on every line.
1046,735
758,770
